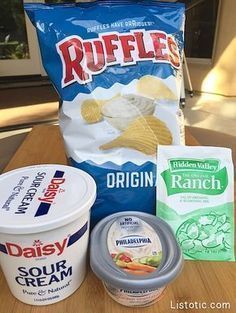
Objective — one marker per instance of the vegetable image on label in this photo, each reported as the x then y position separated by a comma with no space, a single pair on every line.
208,233
134,246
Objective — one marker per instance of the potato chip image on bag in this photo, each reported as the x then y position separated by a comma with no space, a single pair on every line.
91,111
154,88
119,88
144,135
195,195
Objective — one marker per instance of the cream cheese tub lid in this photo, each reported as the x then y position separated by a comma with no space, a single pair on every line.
135,251
43,197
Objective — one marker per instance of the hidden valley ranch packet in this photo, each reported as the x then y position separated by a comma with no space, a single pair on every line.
117,68
195,195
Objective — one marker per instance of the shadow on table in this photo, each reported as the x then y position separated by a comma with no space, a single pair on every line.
8,147
212,138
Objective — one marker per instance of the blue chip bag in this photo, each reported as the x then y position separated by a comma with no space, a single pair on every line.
117,68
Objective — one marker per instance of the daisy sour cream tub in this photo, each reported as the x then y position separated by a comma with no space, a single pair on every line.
44,231
136,256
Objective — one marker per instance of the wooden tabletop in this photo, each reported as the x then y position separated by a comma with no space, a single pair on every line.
200,281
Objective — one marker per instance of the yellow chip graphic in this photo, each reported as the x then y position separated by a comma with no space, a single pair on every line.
153,87
91,109
144,134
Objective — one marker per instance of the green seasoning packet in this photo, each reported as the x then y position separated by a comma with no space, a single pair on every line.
195,196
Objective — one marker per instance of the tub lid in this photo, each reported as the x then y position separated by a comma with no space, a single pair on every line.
135,251
43,197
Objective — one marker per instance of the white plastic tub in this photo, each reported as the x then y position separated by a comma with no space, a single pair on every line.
136,256
44,231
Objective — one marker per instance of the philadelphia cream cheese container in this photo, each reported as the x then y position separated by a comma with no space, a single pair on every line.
136,256
44,231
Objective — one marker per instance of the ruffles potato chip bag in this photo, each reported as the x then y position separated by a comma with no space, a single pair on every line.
117,68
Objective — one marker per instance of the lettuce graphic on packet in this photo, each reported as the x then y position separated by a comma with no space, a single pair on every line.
195,196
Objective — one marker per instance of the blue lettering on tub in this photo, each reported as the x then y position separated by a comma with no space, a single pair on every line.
50,194
40,276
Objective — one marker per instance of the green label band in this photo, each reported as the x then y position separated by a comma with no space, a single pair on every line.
201,182
206,233
207,165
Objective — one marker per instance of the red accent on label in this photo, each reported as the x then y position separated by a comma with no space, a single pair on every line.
143,54
127,47
73,63
159,46
52,190
82,59
110,47
174,52
92,64
35,251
